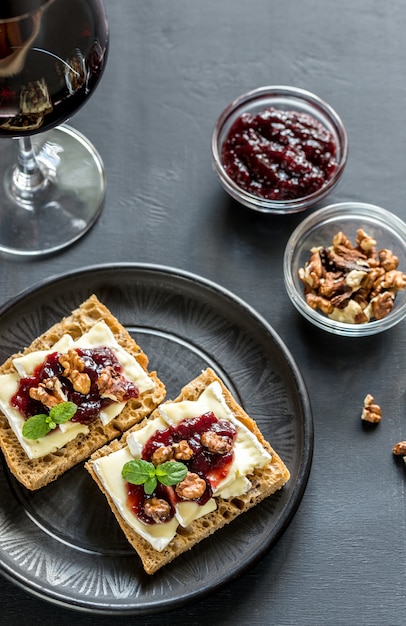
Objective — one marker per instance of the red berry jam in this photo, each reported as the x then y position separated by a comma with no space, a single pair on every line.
90,404
279,155
136,498
211,466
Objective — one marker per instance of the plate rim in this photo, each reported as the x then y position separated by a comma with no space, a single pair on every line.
301,481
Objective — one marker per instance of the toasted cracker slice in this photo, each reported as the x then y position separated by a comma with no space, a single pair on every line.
264,481
36,473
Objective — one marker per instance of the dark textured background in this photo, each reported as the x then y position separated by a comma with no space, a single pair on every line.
173,66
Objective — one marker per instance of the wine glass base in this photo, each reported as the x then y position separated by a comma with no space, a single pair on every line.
66,205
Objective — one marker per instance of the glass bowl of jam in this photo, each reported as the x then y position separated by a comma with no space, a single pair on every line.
345,269
279,149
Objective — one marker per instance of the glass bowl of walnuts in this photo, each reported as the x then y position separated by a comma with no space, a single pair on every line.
345,269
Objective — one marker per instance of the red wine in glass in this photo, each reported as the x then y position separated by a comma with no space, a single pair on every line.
52,56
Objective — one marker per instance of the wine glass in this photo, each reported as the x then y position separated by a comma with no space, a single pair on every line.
52,182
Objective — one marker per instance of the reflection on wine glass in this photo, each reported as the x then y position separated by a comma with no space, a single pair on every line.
52,183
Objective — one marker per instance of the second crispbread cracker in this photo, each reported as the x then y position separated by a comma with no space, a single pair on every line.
35,473
264,482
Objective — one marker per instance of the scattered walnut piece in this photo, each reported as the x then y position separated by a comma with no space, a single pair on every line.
314,269
394,280
182,451
399,449
382,304
74,367
371,412
333,283
162,454
346,259
49,392
81,382
365,242
336,276
216,443
340,239
318,302
388,260
157,509
351,312
192,487
112,384
372,284
71,361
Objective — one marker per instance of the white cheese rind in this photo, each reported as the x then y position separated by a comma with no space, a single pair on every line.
248,455
26,364
137,440
98,336
234,488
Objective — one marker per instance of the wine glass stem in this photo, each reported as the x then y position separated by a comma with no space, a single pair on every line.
28,178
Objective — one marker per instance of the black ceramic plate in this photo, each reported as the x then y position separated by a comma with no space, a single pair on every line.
62,542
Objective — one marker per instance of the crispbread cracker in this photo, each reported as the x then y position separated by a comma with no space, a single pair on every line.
264,481
35,473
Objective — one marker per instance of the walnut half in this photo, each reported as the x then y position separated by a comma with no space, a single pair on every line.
157,509
192,487
74,367
49,392
112,384
216,443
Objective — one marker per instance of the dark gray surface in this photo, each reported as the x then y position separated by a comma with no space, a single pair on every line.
172,67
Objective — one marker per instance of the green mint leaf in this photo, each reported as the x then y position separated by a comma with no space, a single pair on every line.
171,472
138,471
63,412
36,427
40,425
150,485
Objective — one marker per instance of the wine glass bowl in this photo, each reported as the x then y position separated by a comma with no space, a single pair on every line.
52,56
